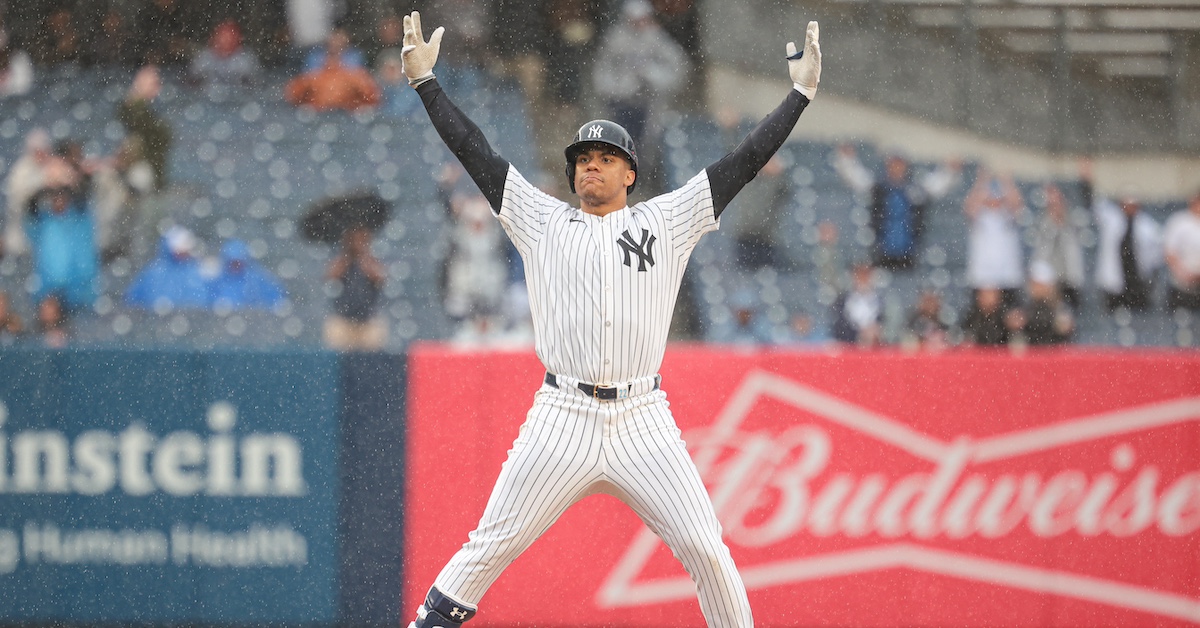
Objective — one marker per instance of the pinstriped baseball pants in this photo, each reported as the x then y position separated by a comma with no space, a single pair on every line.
572,446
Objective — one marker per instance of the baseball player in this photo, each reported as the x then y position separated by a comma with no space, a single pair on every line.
602,279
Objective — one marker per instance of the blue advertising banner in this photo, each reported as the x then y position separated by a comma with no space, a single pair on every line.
164,486
372,483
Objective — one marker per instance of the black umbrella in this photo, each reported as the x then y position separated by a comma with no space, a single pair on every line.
329,218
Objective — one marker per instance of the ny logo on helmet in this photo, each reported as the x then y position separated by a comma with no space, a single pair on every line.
595,131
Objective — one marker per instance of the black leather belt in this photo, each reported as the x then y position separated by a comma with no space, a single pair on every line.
606,393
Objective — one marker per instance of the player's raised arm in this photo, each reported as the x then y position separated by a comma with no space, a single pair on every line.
461,135
728,175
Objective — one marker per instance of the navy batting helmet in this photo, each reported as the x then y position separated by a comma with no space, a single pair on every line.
601,132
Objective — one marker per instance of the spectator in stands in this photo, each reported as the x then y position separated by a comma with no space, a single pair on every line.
225,62
309,25
1181,238
897,203
1046,318
803,330
99,184
141,121
858,312
638,69
681,20
988,321
993,208
398,97
476,268
120,184
70,152
762,207
333,86
52,321
173,280
1056,243
63,240
337,46
25,179
517,51
926,327
573,30
113,45
242,282
1128,252
763,211
472,21
59,40
827,259
16,72
164,32
746,325
11,325
355,323
389,39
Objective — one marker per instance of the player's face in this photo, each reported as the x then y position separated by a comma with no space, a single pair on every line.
602,175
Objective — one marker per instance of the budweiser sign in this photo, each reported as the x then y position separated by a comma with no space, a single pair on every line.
810,487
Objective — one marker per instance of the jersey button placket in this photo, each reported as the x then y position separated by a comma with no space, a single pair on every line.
607,271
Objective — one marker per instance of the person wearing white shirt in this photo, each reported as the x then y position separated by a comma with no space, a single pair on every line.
994,257
1181,247
23,182
16,72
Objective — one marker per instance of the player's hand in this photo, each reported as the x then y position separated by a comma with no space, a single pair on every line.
805,67
417,54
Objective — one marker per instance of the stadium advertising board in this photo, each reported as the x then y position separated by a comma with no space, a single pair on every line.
963,489
168,487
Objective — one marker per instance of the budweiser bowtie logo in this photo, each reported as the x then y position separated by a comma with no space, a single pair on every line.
840,490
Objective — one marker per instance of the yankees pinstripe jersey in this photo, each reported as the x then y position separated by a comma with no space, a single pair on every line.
602,289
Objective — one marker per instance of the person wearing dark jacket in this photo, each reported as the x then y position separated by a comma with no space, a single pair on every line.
355,323
896,204
1047,317
140,120
988,322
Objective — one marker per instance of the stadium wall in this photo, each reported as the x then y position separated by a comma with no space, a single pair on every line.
966,488
177,487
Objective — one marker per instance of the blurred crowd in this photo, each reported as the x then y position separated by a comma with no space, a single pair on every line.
70,214
1026,272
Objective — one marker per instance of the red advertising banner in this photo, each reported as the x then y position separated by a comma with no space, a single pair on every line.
855,489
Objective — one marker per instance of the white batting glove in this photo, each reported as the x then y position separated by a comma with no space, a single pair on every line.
418,56
805,67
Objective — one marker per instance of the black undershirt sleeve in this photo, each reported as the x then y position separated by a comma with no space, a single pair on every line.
485,166
729,174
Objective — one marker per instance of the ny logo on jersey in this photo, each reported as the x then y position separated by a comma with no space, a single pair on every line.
595,131
644,249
